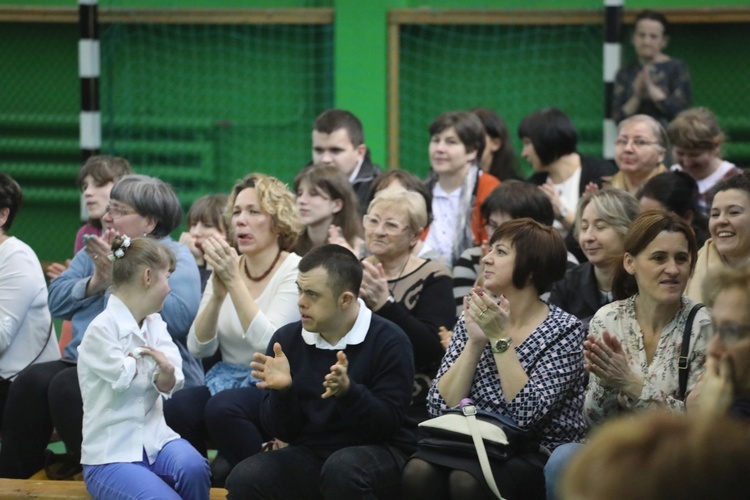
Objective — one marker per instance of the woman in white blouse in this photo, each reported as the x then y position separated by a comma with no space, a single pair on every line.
27,335
251,294
633,348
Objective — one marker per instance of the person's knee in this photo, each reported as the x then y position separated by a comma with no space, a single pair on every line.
344,471
464,485
248,479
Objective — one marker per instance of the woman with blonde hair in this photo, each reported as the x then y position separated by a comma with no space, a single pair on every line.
413,292
252,292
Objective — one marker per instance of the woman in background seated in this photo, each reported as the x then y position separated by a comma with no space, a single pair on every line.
639,153
729,227
696,140
498,158
328,207
27,335
95,179
413,292
252,293
675,192
602,219
520,358
205,218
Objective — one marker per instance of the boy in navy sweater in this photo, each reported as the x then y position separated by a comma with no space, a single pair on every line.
340,383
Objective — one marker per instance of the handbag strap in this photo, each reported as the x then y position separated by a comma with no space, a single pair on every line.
470,412
683,362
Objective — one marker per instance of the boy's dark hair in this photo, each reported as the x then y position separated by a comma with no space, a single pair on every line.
103,169
343,268
519,199
551,132
334,119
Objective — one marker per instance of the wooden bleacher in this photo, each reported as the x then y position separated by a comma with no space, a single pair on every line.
39,488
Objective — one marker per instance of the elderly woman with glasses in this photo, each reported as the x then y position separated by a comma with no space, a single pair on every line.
47,395
639,152
414,293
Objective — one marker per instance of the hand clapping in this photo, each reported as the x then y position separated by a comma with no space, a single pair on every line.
272,371
337,382
485,319
606,359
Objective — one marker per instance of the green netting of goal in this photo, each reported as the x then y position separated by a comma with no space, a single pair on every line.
202,105
515,69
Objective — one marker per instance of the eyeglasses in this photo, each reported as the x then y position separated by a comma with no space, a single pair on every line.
732,332
389,227
637,143
116,212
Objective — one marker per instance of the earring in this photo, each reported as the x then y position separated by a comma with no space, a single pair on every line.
145,234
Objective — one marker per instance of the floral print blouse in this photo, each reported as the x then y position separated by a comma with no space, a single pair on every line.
661,380
551,402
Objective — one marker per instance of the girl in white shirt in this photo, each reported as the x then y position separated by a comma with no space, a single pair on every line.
126,362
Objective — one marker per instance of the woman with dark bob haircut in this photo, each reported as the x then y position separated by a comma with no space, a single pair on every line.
550,145
48,394
518,357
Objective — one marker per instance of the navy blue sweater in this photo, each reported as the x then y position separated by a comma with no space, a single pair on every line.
381,373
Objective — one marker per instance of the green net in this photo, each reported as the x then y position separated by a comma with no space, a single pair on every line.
202,105
511,69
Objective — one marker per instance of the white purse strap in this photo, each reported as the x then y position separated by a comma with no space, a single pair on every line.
470,411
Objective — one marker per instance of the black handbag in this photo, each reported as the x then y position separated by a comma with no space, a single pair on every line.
478,434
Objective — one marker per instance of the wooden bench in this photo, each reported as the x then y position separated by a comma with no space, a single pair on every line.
36,488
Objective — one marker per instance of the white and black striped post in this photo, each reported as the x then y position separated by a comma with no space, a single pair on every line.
612,58
88,72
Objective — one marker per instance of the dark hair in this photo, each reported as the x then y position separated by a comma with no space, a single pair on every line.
409,181
335,185
210,210
678,192
740,182
130,255
519,199
343,268
644,229
653,16
334,119
468,127
11,197
504,161
274,199
103,169
150,197
541,257
551,132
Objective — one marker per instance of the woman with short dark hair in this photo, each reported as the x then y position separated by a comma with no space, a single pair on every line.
518,357
550,145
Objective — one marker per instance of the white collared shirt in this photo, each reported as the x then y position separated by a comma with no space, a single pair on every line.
122,408
354,336
355,172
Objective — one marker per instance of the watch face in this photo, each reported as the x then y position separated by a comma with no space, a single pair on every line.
501,345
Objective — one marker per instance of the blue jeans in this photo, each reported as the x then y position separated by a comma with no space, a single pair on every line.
178,472
297,472
556,465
